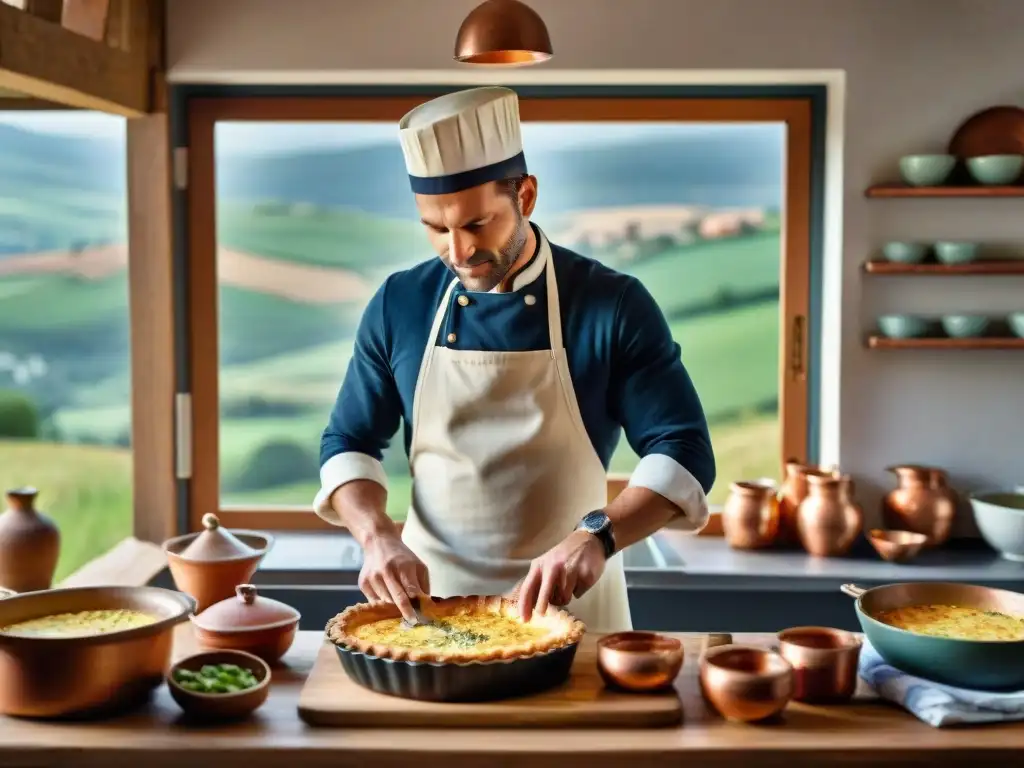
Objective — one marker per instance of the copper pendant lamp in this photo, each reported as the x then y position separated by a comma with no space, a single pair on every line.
505,33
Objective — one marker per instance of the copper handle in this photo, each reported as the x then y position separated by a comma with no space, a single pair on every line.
852,590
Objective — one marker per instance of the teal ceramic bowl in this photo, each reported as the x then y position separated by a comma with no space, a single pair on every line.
1016,323
964,326
956,253
996,169
903,326
926,170
985,665
1000,519
905,253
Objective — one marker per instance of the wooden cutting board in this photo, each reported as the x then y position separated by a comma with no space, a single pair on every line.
330,698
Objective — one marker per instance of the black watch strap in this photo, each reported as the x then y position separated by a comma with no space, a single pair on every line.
598,524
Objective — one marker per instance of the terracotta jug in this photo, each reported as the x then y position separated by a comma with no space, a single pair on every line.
792,493
29,544
750,517
922,502
828,519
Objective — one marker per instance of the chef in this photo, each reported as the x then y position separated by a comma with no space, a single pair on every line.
515,366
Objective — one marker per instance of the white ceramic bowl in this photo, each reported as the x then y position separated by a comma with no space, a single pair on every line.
1000,519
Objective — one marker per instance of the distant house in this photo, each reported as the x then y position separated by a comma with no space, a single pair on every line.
612,227
730,223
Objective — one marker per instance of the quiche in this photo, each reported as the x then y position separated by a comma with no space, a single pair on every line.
460,630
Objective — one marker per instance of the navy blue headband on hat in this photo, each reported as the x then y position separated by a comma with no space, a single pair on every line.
456,182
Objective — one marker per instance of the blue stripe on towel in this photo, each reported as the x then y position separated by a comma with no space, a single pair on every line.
938,705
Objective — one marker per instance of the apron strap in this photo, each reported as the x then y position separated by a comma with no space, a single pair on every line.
428,352
554,312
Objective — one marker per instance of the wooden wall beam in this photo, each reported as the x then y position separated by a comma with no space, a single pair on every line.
44,60
151,292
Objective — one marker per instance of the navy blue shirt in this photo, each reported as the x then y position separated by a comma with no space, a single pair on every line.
625,365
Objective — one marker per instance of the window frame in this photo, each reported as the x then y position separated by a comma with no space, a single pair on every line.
199,347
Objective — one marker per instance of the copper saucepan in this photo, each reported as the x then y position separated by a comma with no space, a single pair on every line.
62,676
972,664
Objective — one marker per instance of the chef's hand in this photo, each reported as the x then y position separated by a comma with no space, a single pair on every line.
391,573
565,571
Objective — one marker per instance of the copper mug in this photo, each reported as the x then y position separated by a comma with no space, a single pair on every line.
824,663
750,517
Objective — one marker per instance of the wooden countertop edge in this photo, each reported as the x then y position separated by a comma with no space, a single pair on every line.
339,757
808,736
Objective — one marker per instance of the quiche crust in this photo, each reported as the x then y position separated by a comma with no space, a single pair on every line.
560,628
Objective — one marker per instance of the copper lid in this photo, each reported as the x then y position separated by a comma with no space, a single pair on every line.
246,611
216,543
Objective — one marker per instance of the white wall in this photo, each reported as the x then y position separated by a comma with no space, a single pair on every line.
913,70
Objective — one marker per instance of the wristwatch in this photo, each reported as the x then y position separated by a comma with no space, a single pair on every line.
598,524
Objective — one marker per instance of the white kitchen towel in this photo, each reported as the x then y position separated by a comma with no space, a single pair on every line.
934,703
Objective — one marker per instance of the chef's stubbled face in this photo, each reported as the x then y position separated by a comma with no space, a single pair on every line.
480,232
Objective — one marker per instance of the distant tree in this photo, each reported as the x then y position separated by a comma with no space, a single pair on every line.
19,417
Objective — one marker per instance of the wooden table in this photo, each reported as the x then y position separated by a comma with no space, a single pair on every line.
154,737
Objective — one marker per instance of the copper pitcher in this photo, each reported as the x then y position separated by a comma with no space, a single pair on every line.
922,502
750,517
794,490
829,520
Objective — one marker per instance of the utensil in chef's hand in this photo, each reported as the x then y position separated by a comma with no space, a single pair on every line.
421,619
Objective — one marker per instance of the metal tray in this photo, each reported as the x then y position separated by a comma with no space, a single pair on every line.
477,681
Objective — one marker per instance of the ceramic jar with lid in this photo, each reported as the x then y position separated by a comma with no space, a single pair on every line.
209,565
248,622
29,544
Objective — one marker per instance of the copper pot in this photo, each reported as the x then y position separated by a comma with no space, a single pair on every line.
744,683
824,662
639,661
60,676
248,622
922,502
793,491
209,565
829,520
750,517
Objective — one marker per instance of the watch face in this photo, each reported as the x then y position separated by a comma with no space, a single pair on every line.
595,521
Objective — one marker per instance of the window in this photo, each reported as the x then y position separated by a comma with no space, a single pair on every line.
299,208
64,324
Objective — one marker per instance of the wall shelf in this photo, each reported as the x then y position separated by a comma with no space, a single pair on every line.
875,341
904,190
990,267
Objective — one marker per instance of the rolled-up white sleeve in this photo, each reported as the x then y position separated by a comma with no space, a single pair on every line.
655,401
670,479
344,468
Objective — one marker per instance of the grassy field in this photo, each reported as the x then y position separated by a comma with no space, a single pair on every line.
86,490
370,245
688,276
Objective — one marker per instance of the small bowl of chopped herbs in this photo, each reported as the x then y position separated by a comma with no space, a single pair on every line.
219,685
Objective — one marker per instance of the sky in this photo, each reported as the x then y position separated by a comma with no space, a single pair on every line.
273,138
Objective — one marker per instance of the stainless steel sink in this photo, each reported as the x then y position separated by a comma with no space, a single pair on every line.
652,552
335,559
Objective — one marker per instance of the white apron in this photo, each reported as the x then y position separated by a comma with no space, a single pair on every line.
503,468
